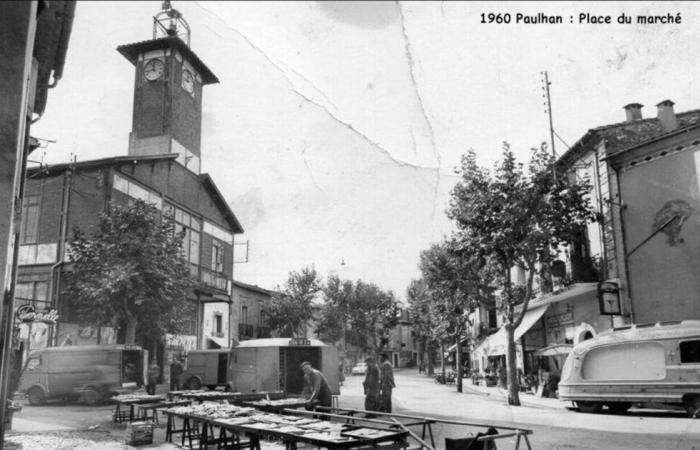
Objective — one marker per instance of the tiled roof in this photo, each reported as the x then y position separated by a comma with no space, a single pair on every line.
621,136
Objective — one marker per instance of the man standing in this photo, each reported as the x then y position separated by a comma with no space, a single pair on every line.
315,387
153,374
371,385
175,373
386,384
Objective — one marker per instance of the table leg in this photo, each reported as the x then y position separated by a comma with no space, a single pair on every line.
169,429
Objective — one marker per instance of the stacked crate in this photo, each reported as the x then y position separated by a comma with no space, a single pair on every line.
139,433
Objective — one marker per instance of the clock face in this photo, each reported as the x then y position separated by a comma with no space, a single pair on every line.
153,69
187,81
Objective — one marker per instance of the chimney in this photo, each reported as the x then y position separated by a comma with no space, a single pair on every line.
633,111
666,116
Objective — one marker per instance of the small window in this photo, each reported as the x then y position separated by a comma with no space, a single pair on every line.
690,351
33,364
630,361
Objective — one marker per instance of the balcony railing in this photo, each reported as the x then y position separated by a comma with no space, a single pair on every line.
213,279
246,331
263,332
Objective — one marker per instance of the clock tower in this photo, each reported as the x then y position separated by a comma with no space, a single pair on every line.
167,115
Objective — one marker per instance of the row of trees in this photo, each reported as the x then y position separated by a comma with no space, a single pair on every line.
513,216
129,273
356,312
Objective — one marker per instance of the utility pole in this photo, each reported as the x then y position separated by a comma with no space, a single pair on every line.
548,104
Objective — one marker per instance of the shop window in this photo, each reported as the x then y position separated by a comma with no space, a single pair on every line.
690,351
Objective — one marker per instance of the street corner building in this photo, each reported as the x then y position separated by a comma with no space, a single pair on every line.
637,264
162,167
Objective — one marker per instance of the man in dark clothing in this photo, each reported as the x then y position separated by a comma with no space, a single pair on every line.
175,373
371,385
386,384
315,387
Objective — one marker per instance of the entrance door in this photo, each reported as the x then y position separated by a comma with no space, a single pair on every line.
396,359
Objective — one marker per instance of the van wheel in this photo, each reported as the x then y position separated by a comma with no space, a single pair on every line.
589,407
36,396
692,405
194,384
619,407
91,397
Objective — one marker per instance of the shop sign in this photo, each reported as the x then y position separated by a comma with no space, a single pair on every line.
27,313
557,320
299,341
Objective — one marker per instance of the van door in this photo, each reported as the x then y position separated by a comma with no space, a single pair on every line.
222,368
243,369
130,364
33,374
329,367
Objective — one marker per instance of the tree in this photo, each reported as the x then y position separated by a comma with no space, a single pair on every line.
291,307
130,272
360,312
518,218
423,325
458,281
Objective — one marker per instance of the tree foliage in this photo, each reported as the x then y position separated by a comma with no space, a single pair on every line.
518,217
360,312
458,280
130,271
291,308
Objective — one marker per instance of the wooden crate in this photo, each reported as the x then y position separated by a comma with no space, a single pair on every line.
139,433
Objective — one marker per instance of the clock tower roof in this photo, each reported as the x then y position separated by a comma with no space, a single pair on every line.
132,52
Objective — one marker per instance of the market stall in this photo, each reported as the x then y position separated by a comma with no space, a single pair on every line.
124,409
197,426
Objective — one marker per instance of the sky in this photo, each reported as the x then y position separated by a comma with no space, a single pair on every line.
336,127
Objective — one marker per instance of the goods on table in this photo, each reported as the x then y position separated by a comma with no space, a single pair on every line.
213,410
137,397
139,433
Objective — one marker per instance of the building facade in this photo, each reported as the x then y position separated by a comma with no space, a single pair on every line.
250,303
648,163
162,168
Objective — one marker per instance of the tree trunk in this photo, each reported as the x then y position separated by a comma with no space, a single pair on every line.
431,369
458,358
442,361
511,368
130,330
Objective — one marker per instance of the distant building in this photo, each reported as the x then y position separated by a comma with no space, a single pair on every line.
250,303
163,169
402,348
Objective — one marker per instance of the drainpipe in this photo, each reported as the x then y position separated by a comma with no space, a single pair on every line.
625,258
54,286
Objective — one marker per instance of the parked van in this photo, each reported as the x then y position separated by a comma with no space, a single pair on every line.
90,372
648,363
207,368
273,364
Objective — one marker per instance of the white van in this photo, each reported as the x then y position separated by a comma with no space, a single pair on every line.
646,363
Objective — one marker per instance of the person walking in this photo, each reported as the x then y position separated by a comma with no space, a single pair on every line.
315,387
175,374
371,386
341,374
386,384
153,374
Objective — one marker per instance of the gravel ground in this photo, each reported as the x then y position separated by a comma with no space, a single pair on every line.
64,440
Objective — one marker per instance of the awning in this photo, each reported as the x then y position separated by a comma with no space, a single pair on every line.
555,350
496,343
215,342
453,347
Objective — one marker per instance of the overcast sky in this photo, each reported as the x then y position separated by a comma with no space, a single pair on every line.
336,127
